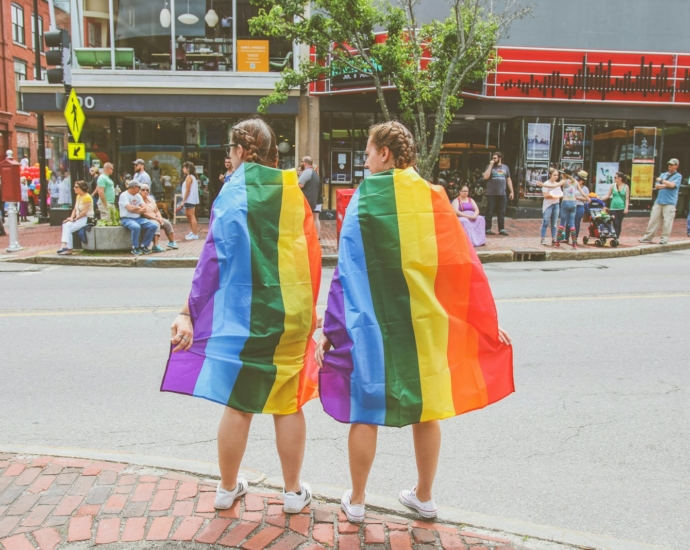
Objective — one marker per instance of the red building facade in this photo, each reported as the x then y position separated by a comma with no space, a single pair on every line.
18,127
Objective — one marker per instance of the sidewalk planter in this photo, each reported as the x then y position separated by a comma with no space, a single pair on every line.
108,239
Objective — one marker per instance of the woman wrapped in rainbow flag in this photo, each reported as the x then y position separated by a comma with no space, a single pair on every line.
410,317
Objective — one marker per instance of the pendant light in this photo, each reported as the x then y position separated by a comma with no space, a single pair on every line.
211,17
165,17
188,18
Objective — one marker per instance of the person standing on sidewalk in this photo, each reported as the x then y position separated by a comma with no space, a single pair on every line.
497,175
550,208
310,182
244,337
401,316
619,193
190,199
140,174
105,189
581,178
664,207
572,190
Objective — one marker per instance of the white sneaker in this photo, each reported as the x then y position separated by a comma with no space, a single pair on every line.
354,512
188,234
293,503
225,498
425,509
191,237
546,241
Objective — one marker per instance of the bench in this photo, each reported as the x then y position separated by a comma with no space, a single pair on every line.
101,57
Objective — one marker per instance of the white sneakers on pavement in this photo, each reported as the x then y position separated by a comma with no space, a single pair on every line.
293,503
225,498
425,509
354,512
191,237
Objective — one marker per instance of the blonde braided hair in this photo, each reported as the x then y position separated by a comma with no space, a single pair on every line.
398,139
257,139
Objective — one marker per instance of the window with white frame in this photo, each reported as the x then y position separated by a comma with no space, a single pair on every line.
19,75
18,24
40,32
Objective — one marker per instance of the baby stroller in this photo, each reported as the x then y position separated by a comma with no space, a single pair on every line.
600,224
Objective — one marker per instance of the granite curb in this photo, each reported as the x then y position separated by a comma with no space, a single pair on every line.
331,260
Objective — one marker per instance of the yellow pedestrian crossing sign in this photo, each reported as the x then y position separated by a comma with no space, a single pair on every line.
76,151
74,115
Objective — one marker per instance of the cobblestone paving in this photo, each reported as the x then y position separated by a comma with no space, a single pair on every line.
48,503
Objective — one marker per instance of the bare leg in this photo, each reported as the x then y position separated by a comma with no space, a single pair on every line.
427,446
155,240
291,438
362,447
191,216
233,433
317,224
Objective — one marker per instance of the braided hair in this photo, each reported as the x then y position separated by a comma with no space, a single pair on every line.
398,139
257,139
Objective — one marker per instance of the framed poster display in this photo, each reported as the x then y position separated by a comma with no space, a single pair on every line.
573,142
538,141
535,174
644,144
642,181
605,173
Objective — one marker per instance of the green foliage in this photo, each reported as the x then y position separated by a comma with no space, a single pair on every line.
429,64
114,220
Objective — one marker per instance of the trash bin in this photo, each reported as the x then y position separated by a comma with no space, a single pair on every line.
342,199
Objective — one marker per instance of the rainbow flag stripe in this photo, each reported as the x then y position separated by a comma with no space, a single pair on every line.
253,299
410,312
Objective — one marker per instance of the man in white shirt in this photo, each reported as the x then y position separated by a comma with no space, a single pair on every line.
131,209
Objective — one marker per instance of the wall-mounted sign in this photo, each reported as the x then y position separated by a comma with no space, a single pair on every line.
605,174
252,56
341,166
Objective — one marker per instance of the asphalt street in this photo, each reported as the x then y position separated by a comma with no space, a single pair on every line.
595,438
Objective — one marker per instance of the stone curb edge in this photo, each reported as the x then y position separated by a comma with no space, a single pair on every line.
331,260
332,493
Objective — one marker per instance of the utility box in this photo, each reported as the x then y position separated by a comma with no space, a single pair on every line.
9,175
342,200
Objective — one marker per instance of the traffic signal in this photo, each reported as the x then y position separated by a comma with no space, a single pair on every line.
59,55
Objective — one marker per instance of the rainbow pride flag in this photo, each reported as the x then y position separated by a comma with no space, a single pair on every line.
253,299
410,312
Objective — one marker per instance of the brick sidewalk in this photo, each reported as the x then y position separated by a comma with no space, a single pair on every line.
48,503
43,239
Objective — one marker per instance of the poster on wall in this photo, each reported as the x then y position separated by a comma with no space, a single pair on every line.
573,166
605,174
538,141
642,182
252,56
532,176
444,162
644,139
573,142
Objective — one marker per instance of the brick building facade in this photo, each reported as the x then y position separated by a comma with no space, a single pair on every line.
18,128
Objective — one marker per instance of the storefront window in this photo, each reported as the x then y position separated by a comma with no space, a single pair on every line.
192,35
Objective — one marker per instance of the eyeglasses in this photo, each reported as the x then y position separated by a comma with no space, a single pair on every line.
229,146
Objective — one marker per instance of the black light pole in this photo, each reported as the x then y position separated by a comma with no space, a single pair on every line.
43,196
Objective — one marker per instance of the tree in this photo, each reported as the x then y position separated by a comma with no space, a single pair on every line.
428,63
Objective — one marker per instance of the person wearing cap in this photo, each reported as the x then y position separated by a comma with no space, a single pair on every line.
154,214
664,207
581,177
131,210
140,174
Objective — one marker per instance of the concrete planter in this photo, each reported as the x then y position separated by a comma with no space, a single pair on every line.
108,238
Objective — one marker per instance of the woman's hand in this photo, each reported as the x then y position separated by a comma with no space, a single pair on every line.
503,337
626,210
182,333
322,346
